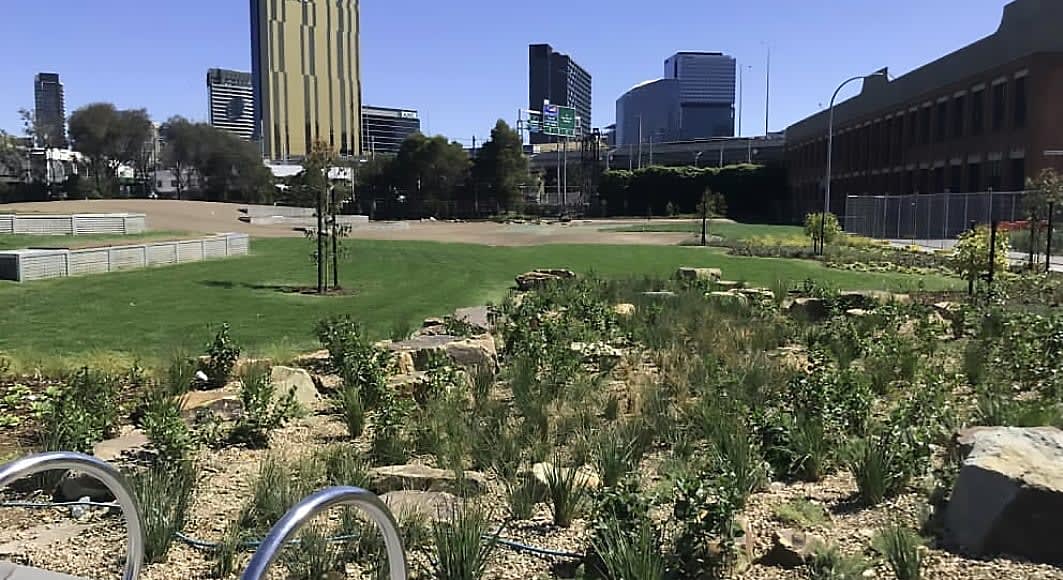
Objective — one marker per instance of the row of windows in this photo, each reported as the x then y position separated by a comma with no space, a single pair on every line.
887,141
998,175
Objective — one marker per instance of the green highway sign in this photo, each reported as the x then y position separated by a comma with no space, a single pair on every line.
559,121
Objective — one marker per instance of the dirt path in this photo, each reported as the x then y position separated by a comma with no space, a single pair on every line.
207,217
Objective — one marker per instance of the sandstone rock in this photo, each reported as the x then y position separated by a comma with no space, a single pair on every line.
130,443
949,311
871,299
762,294
539,278
857,313
791,548
40,537
286,379
408,385
479,317
729,298
808,309
727,285
597,351
698,274
624,310
585,477
430,505
467,353
476,352
664,294
402,362
413,477
224,403
1008,497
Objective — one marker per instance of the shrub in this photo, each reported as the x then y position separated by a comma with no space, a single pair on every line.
349,402
222,354
463,546
814,225
339,335
344,466
878,468
164,495
629,553
614,456
704,510
167,430
970,255
81,412
829,563
900,547
358,362
264,410
521,497
314,558
802,513
567,492
389,444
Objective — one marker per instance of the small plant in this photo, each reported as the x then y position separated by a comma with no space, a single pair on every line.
463,545
344,467
521,497
900,546
802,513
811,450
349,403
389,444
876,466
820,230
705,510
225,555
221,357
276,488
81,413
829,563
970,255
567,492
314,557
167,430
164,496
264,409
615,457
629,553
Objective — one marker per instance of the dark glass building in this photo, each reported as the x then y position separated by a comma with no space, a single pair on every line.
384,130
50,110
555,77
231,101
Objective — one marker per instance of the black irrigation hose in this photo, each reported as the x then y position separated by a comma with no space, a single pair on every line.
208,545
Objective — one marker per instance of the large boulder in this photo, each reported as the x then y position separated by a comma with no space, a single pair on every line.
808,309
687,274
870,299
415,477
1008,497
287,379
223,404
791,548
475,352
541,277
729,298
467,353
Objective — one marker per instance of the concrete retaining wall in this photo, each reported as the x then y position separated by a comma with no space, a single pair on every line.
33,264
268,211
73,225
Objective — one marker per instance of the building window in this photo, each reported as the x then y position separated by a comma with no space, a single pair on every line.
956,180
942,121
912,138
977,112
939,180
974,177
1000,105
994,175
957,117
1018,174
924,129
1020,103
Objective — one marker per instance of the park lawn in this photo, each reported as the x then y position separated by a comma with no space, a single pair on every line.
151,314
18,241
727,230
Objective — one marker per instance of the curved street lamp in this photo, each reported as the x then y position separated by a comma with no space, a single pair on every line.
830,153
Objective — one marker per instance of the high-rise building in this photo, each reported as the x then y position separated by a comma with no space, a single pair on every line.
230,101
556,78
695,100
706,93
49,110
384,130
306,76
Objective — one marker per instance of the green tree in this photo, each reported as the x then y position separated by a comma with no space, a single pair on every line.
970,255
94,133
315,185
221,165
501,167
178,155
430,171
822,230
1044,194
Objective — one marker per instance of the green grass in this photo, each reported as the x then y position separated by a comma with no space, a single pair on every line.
149,314
730,231
17,241
801,513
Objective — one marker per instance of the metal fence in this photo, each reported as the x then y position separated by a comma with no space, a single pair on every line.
937,216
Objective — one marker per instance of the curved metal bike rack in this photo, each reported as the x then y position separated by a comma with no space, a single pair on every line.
317,503
107,475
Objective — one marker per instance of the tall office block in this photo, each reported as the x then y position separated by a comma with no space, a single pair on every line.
49,110
706,92
555,77
306,76
230,101
384,129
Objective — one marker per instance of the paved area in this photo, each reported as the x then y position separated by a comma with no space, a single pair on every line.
207,217
1056,262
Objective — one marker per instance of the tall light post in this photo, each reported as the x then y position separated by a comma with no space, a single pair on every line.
697,157
830,154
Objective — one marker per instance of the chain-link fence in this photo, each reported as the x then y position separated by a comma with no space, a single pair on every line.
938,216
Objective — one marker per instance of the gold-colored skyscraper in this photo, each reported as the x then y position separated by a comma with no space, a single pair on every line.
306,75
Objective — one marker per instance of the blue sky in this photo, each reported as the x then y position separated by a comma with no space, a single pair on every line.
463,63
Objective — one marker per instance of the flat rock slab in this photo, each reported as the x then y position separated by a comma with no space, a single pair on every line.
414,477
42,536
478,316
9,571
224,403
430,505
129,443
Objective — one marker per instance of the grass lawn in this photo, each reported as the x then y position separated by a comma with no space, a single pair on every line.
728,230
151,313
18,241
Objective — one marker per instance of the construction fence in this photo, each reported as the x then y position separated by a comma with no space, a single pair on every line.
936,216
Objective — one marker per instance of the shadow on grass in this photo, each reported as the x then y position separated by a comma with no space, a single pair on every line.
282,288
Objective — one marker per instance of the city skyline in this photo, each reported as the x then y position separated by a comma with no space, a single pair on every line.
467,95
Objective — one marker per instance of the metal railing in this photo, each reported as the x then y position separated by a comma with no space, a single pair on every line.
937,216
107,475
304,511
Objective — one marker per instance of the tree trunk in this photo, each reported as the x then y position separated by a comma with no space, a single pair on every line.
335,243
320,243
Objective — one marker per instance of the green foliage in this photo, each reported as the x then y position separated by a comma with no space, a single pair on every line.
802,513
900,546
348,401
344,466
829,563
213,162
816,226
970,255
222,354
704,510
225,555
521,497
314,558
81,412
264,409
390,445
354,357
883,464
463,545
615,456
501,168
167,430
567,492
164,495
629,553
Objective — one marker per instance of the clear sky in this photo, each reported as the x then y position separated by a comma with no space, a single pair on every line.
463,63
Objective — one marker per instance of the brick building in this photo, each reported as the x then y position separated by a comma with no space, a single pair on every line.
986,116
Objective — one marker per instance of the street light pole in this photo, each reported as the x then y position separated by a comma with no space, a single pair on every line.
697,156
830,156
